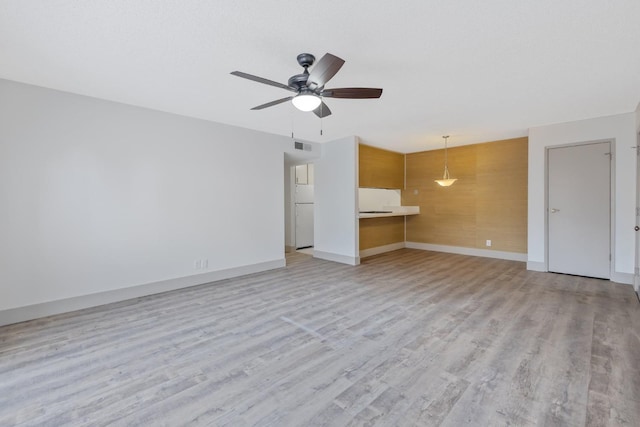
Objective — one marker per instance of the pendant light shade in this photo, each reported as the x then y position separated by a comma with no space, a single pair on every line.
446,180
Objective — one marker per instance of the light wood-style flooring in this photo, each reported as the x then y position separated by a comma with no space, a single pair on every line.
407,338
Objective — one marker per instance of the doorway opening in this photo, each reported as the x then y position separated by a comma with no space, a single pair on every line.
303,199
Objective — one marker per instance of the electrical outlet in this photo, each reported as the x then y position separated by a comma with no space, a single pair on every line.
488,243
201,264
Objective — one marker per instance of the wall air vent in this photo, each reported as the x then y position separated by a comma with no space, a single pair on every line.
302,146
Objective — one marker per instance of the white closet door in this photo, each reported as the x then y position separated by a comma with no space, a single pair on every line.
579,212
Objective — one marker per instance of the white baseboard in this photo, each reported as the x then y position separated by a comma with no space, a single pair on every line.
536,266
330,256
625,278
35,311
381,249
486,253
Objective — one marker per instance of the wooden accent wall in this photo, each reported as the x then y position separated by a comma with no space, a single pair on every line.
382,231
378,168
488,202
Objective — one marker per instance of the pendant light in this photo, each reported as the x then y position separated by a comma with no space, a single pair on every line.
446,180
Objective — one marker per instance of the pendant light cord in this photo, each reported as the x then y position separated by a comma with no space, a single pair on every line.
446,158
446,180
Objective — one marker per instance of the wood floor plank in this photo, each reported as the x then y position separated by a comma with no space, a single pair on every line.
407,338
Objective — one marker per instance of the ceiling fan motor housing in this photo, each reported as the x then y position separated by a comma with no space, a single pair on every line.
306,59
299,80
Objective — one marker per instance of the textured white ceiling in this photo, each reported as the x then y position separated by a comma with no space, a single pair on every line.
478,71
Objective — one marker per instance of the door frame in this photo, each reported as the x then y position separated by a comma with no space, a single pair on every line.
612,199
636,270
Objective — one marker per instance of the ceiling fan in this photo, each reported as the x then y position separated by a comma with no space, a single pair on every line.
309,86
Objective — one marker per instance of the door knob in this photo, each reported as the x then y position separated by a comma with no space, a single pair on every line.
636,228
555,210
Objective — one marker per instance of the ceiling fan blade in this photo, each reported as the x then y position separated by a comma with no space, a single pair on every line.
262,80
272,103
322,110
352,92
324,70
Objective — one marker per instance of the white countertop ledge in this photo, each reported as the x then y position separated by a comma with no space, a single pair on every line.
395,211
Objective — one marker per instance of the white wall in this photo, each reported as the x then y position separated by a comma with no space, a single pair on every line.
336,202
97,196
619,128
374,199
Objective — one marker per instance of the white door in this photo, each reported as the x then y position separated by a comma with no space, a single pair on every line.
304,225
579,203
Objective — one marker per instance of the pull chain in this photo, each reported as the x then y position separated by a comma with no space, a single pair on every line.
292,112
321,114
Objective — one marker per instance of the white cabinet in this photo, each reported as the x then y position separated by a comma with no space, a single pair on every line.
301,174
310,174
304,174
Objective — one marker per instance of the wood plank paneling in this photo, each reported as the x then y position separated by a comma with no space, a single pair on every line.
378,168
376,232
501,205
447,214
488,202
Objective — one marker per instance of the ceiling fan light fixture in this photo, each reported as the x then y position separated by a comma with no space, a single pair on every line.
306,101
309,87
446,180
